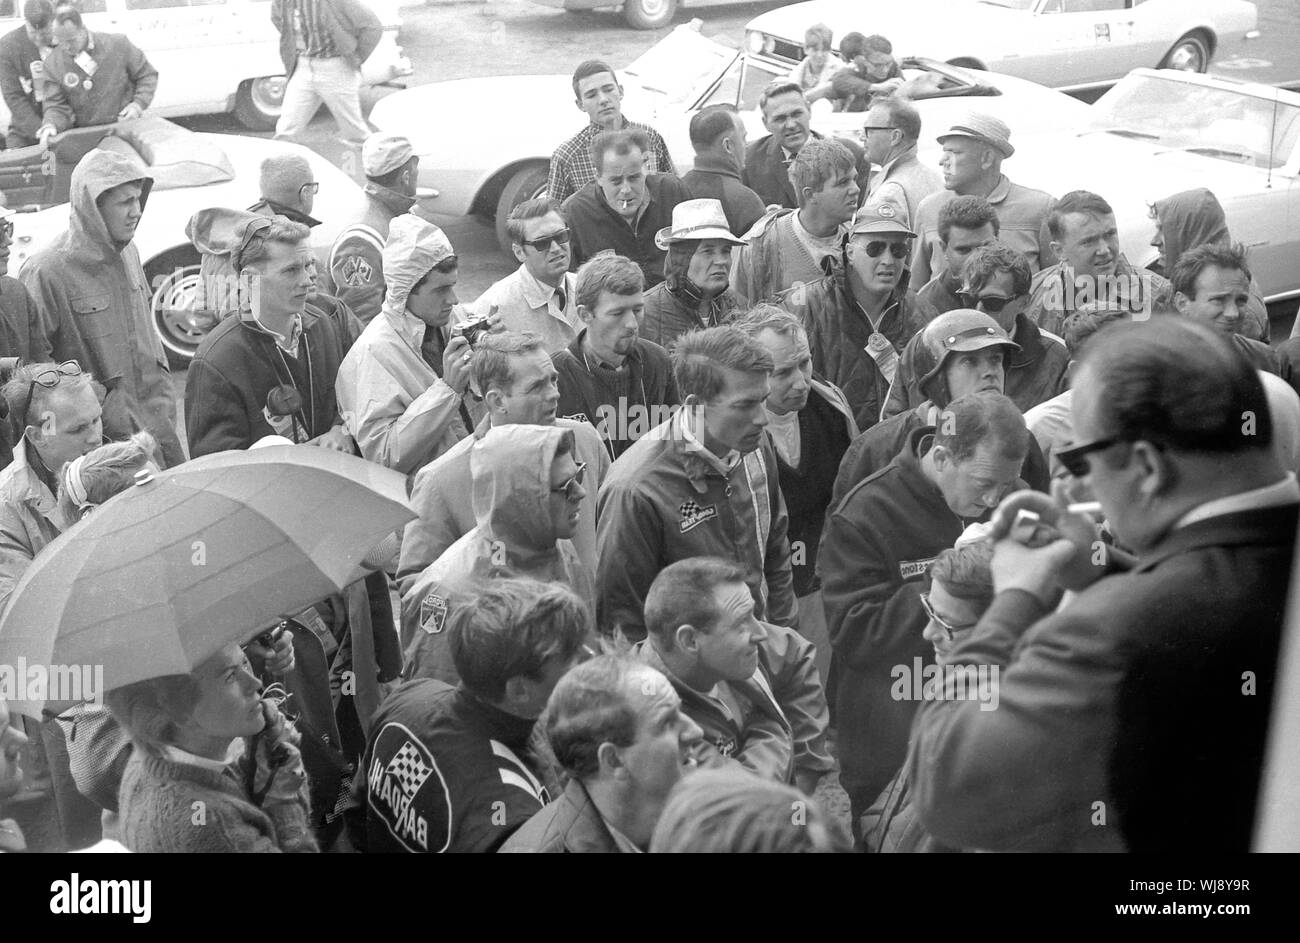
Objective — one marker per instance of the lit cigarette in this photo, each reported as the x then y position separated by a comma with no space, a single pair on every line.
1084,507
626,203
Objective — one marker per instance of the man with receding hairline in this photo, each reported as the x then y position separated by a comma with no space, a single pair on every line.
718,137
287,188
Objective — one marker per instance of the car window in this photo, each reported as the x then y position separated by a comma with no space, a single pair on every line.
155,4
742,85
681,67
1221,123
92,6
1092,6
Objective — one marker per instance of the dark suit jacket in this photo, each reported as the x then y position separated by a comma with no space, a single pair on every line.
17,53
767,175
1122,719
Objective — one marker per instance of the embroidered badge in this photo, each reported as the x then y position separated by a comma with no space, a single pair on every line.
886,211
433,613
726,747
70,79
577,417
914,569
356,271
693,514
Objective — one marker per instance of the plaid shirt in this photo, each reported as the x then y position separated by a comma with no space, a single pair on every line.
572,167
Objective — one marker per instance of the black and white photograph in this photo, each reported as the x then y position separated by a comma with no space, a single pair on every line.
650,426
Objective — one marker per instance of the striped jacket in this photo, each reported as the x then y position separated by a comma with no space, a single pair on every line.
356,263
662,502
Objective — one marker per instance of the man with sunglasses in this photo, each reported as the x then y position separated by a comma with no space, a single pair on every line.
1136,716
876,552
540,296
356,260
527,495
862,316
995,281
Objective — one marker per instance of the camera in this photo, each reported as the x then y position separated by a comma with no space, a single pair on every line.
471,330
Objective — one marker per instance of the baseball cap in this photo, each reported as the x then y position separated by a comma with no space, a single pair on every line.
383,153
991,131
960,331
882,216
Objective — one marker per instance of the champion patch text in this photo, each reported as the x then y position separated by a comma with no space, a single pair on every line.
694,515
914,569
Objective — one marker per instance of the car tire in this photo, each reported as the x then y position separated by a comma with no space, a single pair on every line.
1190,54
649,14
527,182
258,101
173,280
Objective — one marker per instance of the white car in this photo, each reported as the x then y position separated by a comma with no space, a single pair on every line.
1159,132
170,262
219,55
1066,44
505,161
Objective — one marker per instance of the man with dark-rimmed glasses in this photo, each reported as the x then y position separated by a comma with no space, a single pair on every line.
890,133
1127,714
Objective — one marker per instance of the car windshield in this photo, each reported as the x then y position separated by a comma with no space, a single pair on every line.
1222,123
681,66
1011,4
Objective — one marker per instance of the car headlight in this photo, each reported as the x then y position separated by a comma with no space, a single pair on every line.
759,43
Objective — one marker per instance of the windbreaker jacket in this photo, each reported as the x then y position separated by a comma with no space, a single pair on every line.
903,181
715,179
524,304
662,502
511,467
73,98
28,520
439,493
668,316
1128,702
96,300
838,334
402,414
570,825
1055,294
443,771
356,262
595,226
784,729
875,559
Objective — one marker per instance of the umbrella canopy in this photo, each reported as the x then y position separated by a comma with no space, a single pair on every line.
211,552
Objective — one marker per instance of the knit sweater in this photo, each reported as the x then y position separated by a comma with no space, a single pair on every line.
177,807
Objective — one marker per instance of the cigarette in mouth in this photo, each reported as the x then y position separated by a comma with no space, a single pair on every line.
1084,507
626,203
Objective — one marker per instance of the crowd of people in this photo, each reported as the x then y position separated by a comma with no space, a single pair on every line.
810,500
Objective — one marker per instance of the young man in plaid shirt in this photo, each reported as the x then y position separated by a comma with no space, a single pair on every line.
597,92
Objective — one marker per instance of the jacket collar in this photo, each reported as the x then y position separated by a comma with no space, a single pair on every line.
714,164
1027,335
538,295
396,203
584,829
511,730
697,460
756,688
19,483
406,325
575,348
279,209
1257,526
888,166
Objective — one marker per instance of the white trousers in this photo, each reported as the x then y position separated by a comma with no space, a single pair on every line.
333,81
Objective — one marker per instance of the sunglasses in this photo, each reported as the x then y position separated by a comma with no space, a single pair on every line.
570,488
560,238
993,304
898,250
1074,458
49,379
948,627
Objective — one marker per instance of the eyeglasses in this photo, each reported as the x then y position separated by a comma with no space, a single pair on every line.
570,488
898,250
993,304
868,128
314,187
1074,458
49,379
543,244
948,627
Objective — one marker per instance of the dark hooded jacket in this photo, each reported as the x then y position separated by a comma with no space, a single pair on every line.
96,300
676,305
1194,218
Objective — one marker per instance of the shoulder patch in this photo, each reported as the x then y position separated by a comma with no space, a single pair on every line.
356,272
914,569
577,417
407,791
433,613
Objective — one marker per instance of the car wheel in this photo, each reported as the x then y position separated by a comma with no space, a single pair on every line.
649,14
528,182
1190,54
174,278
258,102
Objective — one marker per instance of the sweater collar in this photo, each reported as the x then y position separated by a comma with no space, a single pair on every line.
715,164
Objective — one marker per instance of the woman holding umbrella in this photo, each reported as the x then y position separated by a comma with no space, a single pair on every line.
215,767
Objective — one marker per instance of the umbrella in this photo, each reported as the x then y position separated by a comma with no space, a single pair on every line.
191,559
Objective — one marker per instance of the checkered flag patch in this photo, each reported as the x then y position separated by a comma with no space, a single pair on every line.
689,509
409,769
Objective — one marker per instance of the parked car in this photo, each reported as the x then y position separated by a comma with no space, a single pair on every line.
640,14
506,160
220,55
1158,132
1065,44
194,171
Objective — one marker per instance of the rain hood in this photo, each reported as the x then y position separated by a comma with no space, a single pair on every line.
1190,219
96,173
413,248
217,233
511,468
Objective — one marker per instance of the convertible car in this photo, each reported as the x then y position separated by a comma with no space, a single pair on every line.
191,172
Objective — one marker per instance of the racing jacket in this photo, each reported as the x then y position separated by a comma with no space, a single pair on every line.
444,771
356,262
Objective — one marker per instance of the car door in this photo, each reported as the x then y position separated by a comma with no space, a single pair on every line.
1092,35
